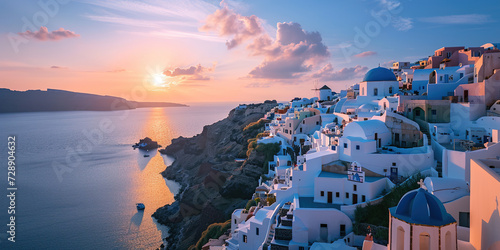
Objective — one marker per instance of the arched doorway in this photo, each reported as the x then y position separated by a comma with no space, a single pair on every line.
400,237
425,241
418,113
432,77
447,241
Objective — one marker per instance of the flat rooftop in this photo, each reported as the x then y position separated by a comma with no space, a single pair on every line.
493,164
308,202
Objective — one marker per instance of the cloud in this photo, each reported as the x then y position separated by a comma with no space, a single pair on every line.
229,23
402,23
57,67
365,54
328,73
44,35
398,22
293,52
390,5
190,73
388,64
457,19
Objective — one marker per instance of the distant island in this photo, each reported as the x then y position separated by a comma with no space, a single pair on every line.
61,100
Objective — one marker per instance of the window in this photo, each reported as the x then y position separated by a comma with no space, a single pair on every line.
301,248
317,123
375,91
448,54
342,230
256,231
244,238
434,112
417,112
440,78
289,125
347,195
235,221
464,219
303,121
461,75
393,164
409,110
363,198
357,147
345,145
390,90
355,188
337,194
322,193
300,130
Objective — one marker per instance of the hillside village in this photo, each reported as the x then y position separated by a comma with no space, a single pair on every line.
434,123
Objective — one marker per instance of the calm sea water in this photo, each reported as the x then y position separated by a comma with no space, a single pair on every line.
91,205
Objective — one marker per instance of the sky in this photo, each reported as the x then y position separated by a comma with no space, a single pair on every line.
231,51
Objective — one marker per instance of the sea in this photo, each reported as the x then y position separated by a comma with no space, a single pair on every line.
78,179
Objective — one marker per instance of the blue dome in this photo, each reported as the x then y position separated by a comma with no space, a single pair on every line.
421,207
379,74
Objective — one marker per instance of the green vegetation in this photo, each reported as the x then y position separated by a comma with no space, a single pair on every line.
214,231
378,214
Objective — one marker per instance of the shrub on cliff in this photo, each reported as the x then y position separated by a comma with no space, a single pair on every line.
214,231
269,150
254,128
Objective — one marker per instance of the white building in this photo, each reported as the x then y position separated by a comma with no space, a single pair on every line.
379,82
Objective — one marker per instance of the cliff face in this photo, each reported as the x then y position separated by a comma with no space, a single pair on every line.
213,183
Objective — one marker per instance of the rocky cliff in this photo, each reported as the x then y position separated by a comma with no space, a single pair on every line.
213,183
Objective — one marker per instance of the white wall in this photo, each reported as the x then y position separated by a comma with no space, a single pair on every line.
484,206
313,218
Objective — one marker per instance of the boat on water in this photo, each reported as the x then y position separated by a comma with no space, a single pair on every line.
146,155
140,206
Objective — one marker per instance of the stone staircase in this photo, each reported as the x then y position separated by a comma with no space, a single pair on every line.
283,231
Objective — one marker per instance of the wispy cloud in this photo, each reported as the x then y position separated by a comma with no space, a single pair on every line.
397,21
45,35
58,67
134,22
365,54
186,9
402,23
457,19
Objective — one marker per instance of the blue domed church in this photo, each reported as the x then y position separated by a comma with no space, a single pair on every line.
379,82
420,221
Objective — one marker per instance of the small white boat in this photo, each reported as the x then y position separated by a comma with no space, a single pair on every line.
140,206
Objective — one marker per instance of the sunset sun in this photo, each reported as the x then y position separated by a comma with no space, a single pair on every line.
158,79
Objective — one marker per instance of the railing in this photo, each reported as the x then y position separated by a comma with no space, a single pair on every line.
272,222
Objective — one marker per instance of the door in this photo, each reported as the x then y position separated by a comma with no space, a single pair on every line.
354,199
330,197
394,173
396,139
323,232
466,95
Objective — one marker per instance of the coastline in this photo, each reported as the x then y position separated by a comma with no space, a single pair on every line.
212,183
